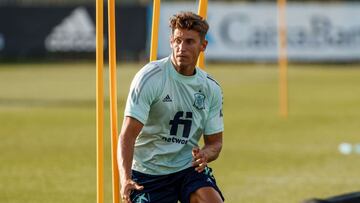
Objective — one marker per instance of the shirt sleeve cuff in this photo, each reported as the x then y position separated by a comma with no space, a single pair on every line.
138,117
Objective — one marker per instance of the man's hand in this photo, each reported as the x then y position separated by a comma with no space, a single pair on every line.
129,131
199,159
207,154
126,189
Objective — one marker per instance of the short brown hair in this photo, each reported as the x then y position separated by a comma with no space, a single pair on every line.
189,21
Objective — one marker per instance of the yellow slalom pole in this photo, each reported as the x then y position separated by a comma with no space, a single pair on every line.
202,11
99,101
155,30
113,99
283,63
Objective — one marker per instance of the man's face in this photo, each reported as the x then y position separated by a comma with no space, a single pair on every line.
186,47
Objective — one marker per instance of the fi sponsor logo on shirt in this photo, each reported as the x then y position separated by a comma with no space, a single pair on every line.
180,128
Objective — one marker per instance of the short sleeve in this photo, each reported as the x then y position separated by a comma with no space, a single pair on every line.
215,122
143,92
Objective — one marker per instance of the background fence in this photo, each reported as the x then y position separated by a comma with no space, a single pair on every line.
66,32
239,31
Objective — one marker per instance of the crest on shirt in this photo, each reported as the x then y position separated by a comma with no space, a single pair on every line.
199,102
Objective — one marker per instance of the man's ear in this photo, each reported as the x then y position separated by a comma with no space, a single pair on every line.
204,44
171,39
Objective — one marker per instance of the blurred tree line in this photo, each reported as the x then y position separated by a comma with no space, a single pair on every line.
89,2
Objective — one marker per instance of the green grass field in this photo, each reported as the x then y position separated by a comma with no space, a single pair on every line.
47,131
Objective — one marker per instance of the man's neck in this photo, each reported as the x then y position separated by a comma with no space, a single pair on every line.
183,70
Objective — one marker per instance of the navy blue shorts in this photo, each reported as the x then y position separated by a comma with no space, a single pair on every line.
173,187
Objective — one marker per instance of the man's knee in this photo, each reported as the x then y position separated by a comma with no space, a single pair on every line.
205,195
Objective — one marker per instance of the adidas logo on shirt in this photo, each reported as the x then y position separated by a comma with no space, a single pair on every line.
167,99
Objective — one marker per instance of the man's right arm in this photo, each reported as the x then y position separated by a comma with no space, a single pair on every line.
129,131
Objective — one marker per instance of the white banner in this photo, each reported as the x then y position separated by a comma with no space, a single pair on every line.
239,31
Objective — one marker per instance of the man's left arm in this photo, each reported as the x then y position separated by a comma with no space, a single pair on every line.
210,151
213,131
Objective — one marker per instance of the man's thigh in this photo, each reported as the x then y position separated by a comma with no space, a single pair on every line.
157,189
199,185
205,195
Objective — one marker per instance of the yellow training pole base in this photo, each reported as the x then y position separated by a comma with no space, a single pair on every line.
283,88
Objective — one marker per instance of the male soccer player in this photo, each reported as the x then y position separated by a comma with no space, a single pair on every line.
171,104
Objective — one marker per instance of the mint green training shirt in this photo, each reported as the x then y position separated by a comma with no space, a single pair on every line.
176,111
